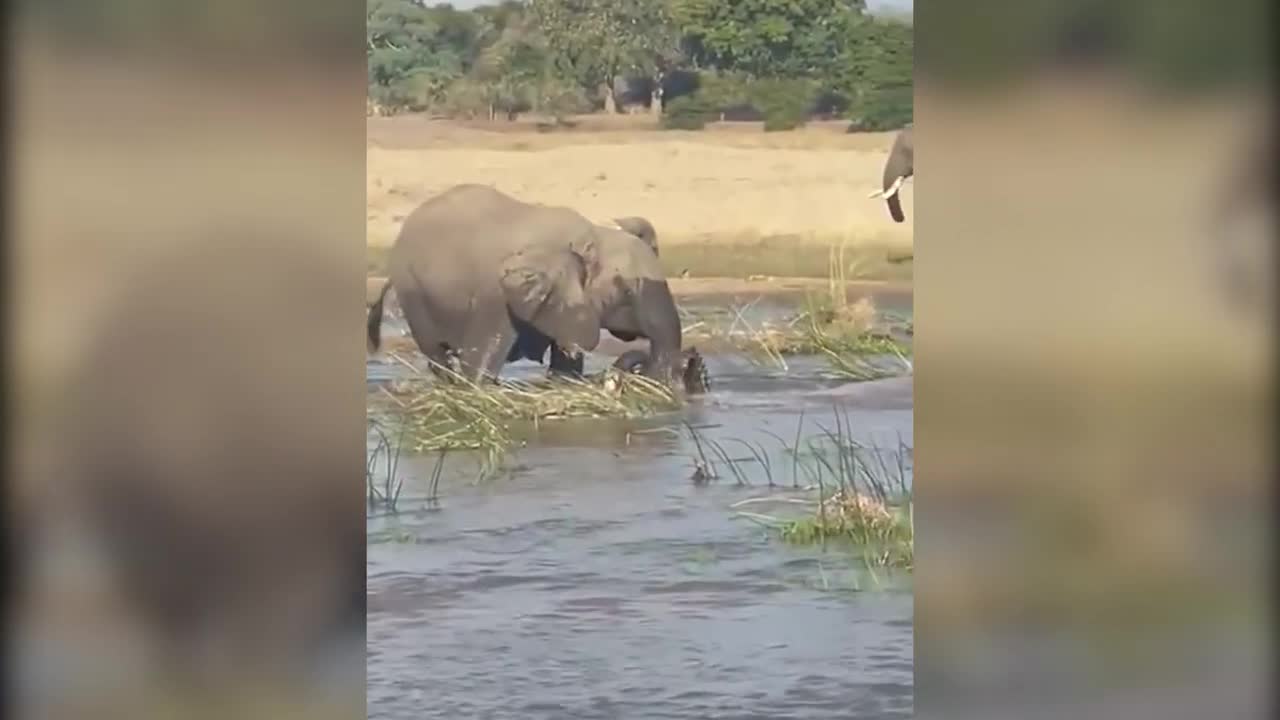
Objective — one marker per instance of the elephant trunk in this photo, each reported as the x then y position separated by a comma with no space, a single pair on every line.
660,322
899,166
896,172
374,323
895,208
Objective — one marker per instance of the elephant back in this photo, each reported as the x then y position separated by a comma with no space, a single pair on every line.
451,247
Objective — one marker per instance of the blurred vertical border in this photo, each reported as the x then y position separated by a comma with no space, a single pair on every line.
186,284
1094,246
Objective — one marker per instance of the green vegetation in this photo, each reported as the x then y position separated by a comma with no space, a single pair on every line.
883,535
857,345
848,494
853,337
383,489
782,60
785,103
690,112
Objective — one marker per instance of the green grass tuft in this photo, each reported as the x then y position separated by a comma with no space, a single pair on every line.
853,495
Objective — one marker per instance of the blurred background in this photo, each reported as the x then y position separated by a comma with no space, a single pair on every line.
186,186
1093,382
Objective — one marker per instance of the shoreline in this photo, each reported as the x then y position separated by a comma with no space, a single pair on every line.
697,288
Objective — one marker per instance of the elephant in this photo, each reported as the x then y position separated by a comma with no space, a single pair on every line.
897,168
495,279
533,345
641,228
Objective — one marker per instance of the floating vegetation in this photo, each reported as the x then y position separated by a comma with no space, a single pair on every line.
453,413
845,492
857,340
858,353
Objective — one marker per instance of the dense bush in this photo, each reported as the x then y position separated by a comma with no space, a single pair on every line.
785,103
885,109
724,91
688,112
559,99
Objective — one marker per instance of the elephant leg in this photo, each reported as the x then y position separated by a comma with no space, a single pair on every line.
425,333
532,344
562,363
485,349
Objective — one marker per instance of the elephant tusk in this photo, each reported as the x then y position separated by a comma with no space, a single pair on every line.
891,190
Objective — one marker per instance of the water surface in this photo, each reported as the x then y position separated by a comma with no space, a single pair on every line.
596,580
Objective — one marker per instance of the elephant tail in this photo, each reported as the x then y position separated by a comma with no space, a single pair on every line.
375,318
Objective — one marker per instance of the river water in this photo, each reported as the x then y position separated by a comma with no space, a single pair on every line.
596,580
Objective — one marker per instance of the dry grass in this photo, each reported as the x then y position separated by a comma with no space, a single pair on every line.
532,133
457,414
774,195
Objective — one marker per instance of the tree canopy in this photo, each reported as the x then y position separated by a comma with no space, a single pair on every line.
785,59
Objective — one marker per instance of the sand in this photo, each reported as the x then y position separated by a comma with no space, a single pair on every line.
730,184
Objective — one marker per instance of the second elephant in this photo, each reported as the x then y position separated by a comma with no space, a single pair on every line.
491,279
533,345
899,166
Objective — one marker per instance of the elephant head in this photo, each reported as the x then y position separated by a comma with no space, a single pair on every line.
899,167
545,286
641,228
607,278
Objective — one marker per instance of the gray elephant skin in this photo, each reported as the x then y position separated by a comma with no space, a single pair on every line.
897,168
489,279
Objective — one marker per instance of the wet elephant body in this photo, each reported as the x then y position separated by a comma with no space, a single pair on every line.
497,280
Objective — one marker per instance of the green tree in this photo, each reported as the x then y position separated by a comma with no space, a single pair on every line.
514,72
511,69
767,38
463,33
408,65
599,42
501,15
875,73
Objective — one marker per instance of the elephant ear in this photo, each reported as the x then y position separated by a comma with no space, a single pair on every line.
641,228
545,287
